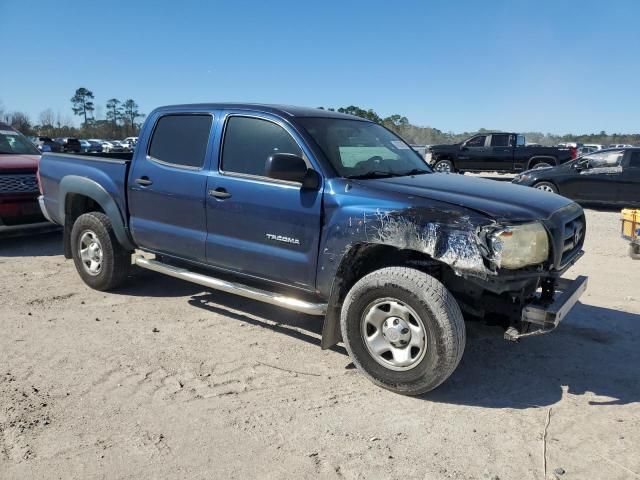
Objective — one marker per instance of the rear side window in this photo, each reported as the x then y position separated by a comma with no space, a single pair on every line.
181,139
500,140
248,142
634,161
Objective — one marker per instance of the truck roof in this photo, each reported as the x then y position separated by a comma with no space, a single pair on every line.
282,110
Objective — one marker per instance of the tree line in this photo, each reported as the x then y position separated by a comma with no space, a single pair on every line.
122,119
418,135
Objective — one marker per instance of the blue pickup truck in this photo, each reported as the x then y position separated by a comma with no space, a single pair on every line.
326,214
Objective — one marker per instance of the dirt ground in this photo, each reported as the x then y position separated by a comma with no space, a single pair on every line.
164,379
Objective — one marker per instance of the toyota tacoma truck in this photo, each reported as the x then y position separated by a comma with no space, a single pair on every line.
326,214
496,152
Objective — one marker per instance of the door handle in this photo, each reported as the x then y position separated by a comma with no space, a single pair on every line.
219,193
144,181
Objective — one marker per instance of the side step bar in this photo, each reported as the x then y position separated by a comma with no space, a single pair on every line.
232,287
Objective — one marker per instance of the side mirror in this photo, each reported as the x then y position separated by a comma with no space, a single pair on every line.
292,168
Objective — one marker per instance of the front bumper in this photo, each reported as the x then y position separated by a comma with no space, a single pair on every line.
543,316
43,208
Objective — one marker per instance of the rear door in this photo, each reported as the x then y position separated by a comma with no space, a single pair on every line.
500,152
259,226
630,186
167,187
473,154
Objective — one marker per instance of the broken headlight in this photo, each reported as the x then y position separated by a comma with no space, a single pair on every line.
517,246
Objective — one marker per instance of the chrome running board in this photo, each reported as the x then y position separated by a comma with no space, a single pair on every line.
232,287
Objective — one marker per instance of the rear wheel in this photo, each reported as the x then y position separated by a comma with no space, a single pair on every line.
546,187
101,261
541,164
444,166
403,329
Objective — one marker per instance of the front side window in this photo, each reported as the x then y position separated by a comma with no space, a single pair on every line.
604,159
14,143
476,141
249,142
500,140
358,148
181,140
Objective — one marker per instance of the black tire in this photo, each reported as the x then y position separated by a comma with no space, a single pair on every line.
634,251
542,164
444,166
437,311
546,187
115,260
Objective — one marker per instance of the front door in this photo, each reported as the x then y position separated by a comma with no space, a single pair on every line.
597,179
259,226
473,154
167,187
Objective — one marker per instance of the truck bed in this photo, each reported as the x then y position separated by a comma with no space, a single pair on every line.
59,171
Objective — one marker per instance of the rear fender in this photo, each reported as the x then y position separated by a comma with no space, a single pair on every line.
73,184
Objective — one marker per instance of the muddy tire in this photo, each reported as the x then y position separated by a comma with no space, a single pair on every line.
101,261
403,329
634,251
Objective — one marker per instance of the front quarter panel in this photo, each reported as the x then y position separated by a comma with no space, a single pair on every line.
356,214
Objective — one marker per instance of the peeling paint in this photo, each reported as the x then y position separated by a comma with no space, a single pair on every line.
455,243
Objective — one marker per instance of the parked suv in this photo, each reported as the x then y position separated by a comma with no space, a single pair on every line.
70,145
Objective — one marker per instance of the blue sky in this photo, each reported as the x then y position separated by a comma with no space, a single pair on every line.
550,66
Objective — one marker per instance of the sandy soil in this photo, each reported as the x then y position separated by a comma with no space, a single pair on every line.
163,379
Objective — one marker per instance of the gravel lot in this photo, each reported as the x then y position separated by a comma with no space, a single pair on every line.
163,379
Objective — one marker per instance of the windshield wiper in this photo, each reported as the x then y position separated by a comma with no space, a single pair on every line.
416,171
374,174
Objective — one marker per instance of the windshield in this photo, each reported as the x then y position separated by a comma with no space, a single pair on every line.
14,143
359,149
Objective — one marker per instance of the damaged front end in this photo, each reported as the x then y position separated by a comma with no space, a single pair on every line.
505,273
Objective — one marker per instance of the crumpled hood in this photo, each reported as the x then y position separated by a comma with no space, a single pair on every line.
502,201
10,162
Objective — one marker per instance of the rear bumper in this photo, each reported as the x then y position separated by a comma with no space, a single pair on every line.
545,316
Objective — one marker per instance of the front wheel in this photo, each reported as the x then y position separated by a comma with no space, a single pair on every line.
403,329
546,187
101,261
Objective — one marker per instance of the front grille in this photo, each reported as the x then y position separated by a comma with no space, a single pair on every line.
572,238
18,183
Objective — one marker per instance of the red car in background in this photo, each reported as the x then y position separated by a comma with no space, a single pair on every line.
19,209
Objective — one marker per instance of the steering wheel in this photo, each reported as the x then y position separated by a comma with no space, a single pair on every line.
371,163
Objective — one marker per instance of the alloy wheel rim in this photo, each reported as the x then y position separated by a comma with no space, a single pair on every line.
545,188
91,253
393,333
443,167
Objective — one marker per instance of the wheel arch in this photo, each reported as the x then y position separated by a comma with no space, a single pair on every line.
360,260
545,158
80,195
